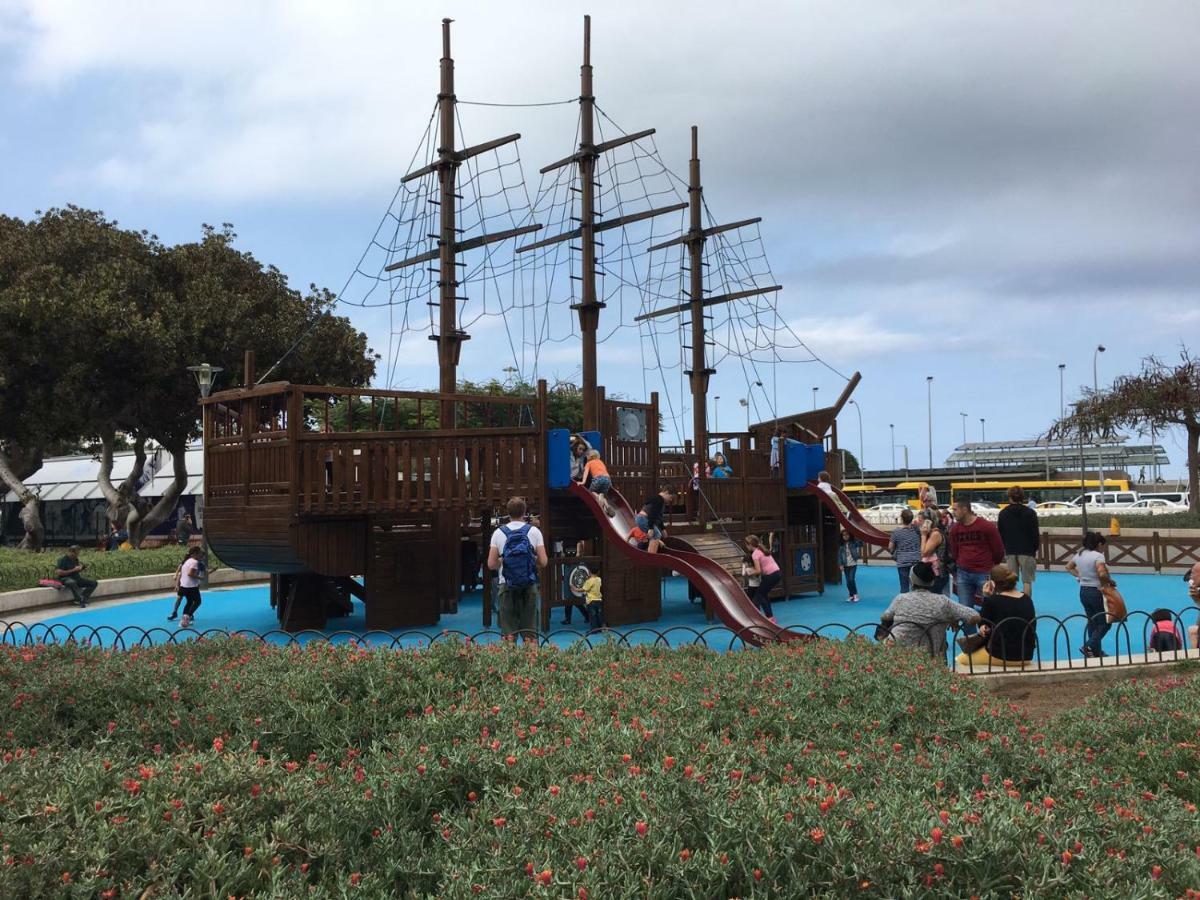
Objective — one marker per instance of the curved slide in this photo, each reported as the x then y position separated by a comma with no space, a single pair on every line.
840,504
722,591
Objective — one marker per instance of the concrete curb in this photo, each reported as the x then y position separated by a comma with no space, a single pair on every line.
38,597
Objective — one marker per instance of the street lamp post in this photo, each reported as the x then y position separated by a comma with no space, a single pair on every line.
1099,437
745,401
206,375
716,421
1062,406
964,425
929,406
862,466
892,428
982,429
904,447
815,397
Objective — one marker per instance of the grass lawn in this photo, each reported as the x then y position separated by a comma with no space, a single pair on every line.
839,768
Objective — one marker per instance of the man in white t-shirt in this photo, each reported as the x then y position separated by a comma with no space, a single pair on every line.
518,551
189,586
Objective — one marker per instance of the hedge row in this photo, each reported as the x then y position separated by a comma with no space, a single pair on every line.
21,569
229,768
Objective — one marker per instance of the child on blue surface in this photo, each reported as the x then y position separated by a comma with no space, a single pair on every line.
849,556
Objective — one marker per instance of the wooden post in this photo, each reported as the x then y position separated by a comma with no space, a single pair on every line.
589,307
248,369
699,373
547,578
449,339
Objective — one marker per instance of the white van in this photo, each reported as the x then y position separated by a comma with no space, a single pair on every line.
1112,499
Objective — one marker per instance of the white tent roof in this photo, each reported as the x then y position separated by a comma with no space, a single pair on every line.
74,477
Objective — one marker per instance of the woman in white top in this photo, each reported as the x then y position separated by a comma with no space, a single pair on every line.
189,585
1091,569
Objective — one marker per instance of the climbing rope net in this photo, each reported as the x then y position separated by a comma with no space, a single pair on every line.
527,296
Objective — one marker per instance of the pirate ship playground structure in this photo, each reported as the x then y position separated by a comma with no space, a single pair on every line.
384,493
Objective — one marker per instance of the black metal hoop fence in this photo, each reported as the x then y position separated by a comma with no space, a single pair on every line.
1132,639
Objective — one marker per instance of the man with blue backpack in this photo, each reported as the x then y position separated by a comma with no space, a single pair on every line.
517,551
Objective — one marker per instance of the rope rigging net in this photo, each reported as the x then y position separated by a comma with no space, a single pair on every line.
527,296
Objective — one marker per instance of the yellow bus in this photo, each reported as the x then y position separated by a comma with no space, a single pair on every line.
867,495
1061,491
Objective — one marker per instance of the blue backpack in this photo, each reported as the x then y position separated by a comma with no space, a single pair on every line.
519,568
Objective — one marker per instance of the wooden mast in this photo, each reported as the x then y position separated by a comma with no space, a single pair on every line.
450,337
694,239
590,305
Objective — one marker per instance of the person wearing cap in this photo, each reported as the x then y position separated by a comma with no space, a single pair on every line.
919,618
69,570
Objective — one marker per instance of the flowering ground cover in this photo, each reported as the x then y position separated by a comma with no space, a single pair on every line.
840,768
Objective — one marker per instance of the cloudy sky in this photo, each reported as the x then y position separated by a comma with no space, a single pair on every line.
976,192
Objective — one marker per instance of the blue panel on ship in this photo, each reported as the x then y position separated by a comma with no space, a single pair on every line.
558,457
795,460
804,560
816,460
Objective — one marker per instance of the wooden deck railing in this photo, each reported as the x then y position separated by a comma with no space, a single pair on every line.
1154,552
331,451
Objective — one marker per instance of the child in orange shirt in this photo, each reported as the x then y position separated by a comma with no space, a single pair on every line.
596,480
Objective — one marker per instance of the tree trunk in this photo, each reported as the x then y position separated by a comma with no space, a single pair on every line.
31,516
122,508
142,523
1193,464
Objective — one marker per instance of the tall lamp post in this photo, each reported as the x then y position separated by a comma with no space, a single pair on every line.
815,397
716,422
206,375
745,401
1099,437
929,406
892,429
982,429
964,425
1062,391
904,447
862,466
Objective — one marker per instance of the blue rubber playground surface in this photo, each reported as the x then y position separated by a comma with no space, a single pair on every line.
247,609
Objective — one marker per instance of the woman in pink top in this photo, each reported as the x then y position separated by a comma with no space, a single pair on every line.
768,572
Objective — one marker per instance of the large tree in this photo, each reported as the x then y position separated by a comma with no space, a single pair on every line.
1161,394
127,315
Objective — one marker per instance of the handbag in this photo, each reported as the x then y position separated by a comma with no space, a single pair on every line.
969,643
1114,604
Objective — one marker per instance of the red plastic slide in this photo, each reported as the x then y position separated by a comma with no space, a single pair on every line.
722,591
848,514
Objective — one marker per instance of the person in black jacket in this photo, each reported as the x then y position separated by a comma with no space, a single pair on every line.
1018,526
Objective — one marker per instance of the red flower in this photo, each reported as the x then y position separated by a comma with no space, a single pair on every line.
640,828
355,878
1067,857
817,835
1048,802
685,854
132,785
581,863
668,763
957,842
500,822
218,744
1156,872
510,760
545,877
218,808
758,874
554,789
936,834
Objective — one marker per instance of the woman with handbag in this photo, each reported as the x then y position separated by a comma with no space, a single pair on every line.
1091,569
1007,637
